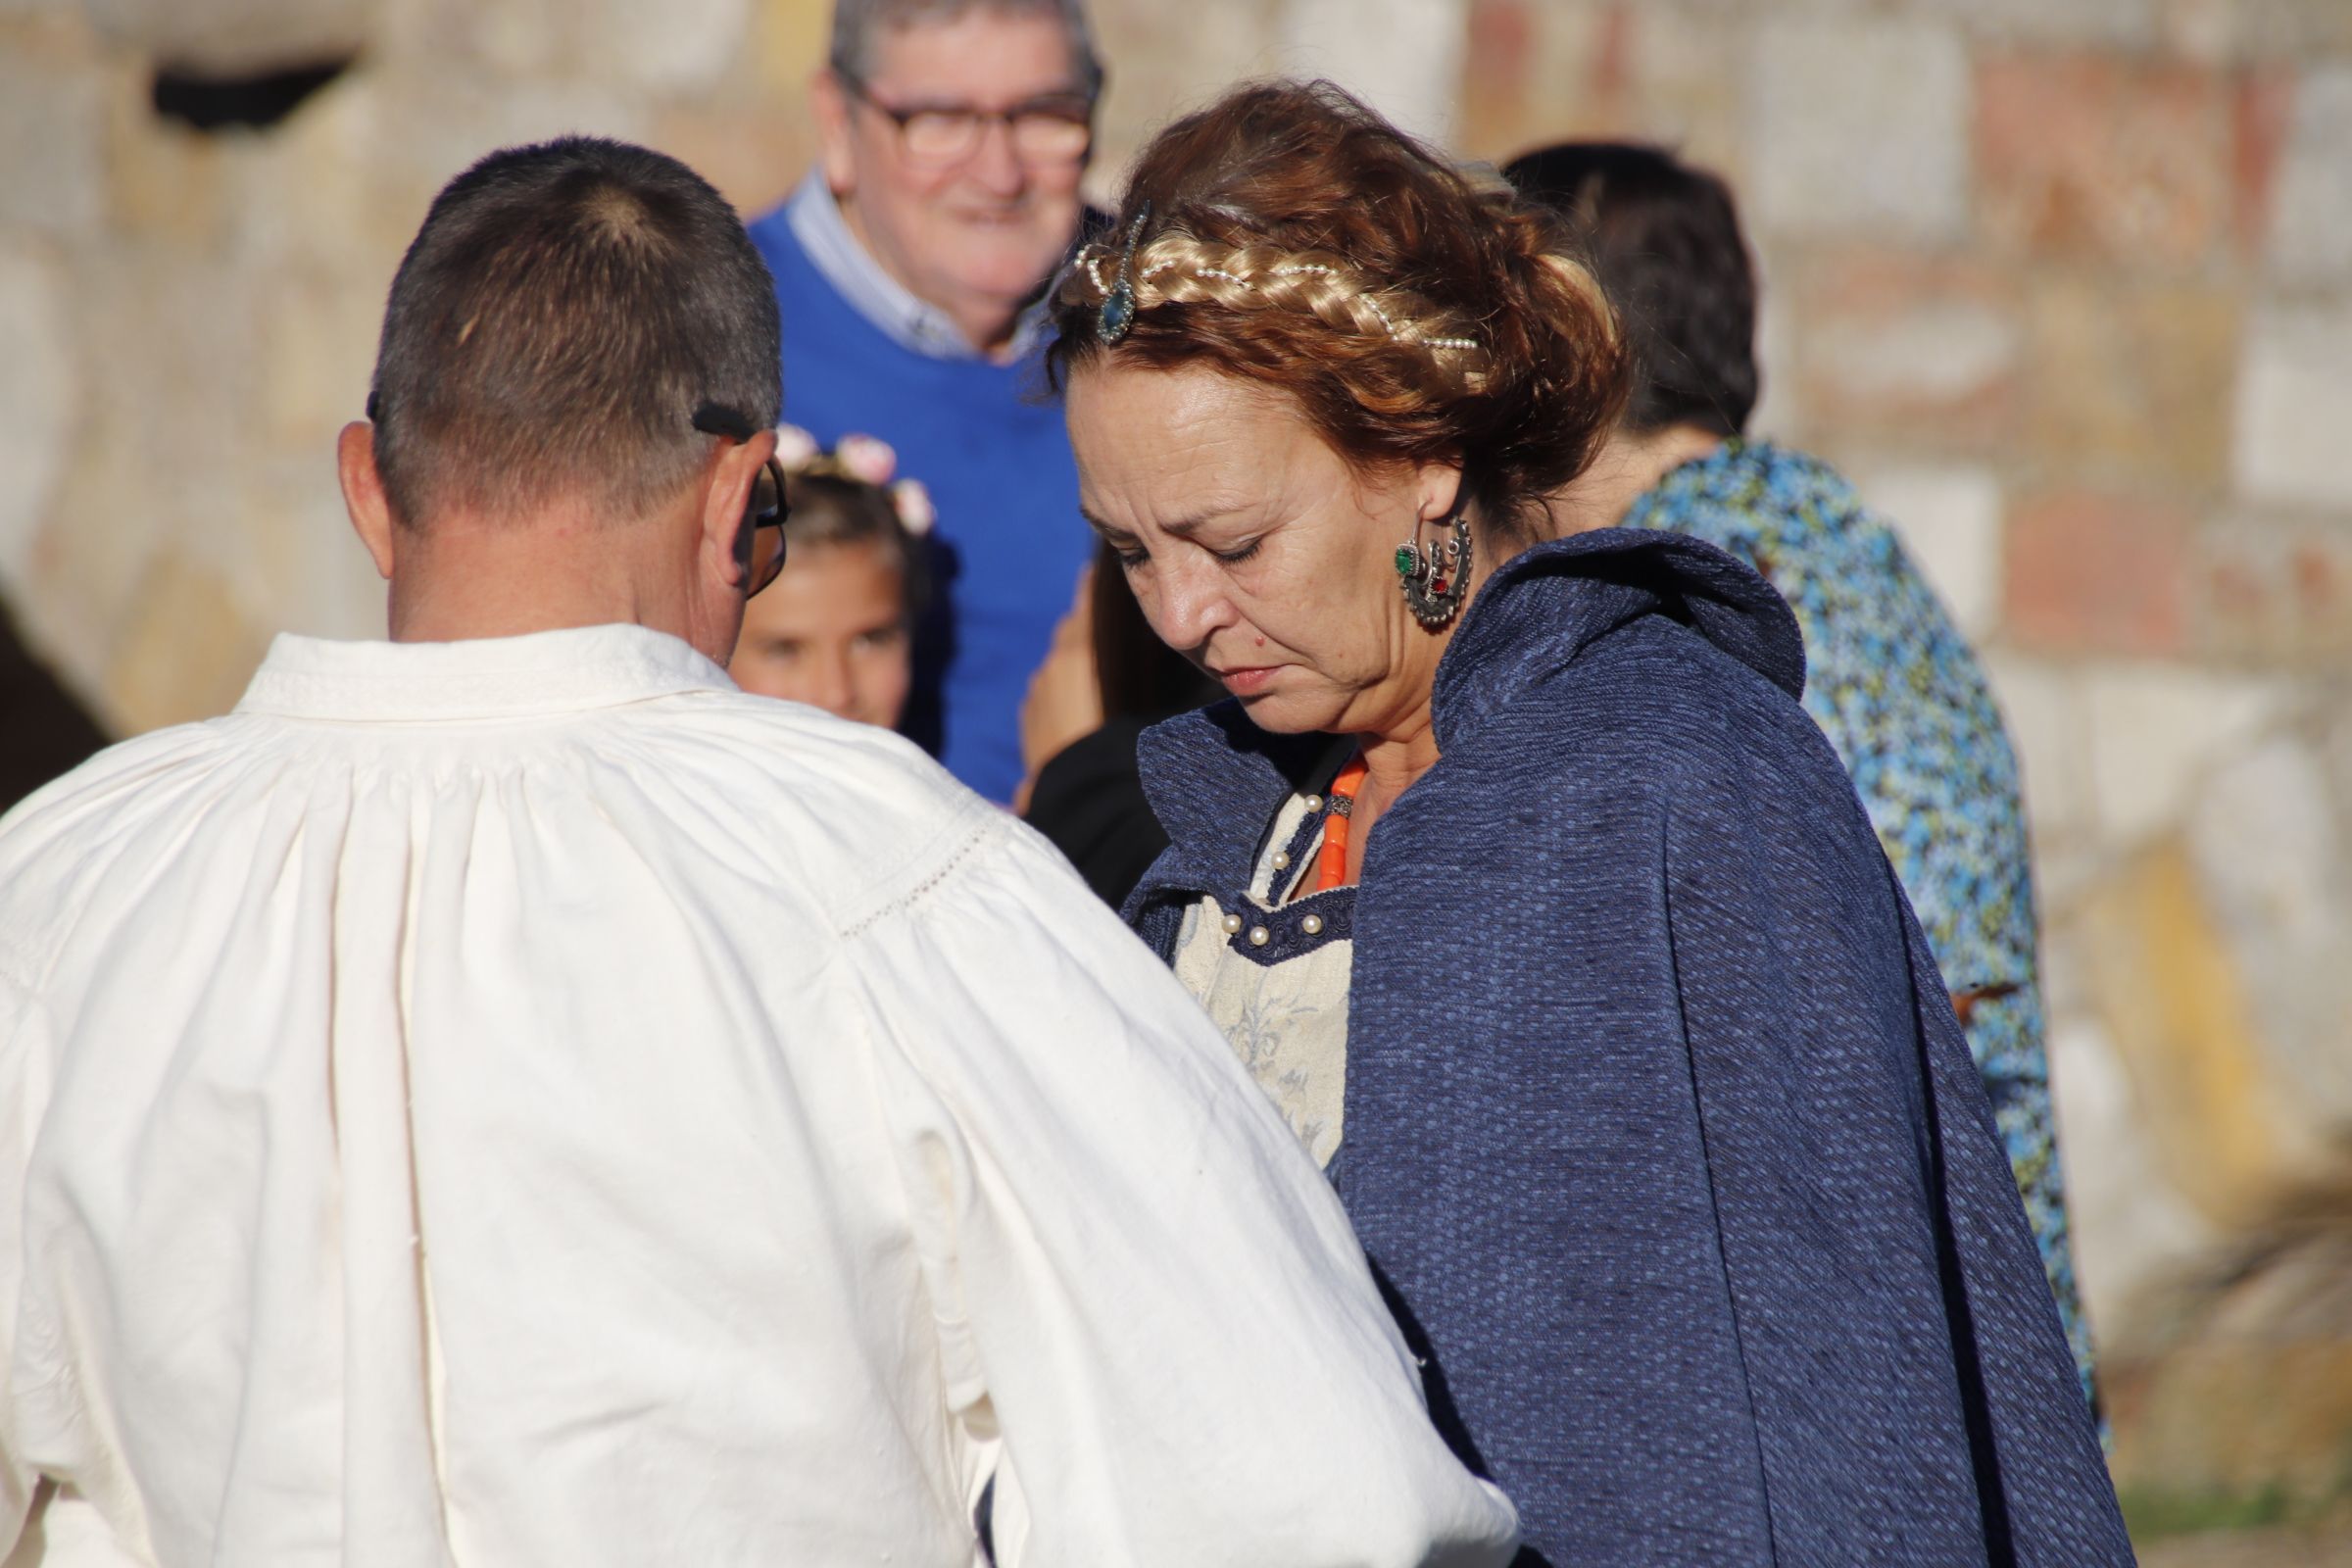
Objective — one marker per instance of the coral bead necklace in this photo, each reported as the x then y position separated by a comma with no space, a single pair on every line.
1331,866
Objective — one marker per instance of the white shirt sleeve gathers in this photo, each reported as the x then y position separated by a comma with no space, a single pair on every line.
527,1102
1174,1327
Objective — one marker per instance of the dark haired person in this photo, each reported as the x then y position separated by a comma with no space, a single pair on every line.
505,1095
1888,676
953,134
1525,887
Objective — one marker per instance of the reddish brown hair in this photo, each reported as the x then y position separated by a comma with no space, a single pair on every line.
1296,239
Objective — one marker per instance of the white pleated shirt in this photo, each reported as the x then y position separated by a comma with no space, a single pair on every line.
527,1102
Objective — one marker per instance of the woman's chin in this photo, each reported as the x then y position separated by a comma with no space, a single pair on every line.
1280,713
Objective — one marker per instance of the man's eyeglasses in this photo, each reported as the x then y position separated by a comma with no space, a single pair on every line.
1058,129
760,542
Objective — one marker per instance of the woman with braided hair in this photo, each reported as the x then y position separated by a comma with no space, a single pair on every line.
1526,889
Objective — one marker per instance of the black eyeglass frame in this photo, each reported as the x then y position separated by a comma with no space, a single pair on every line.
716,418
981,118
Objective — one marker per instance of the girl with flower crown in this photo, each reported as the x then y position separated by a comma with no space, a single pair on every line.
834,630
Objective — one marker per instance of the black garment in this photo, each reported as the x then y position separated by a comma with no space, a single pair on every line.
1090,803
44,732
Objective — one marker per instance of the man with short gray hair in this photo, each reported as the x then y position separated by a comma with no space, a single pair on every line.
909,264
505,1096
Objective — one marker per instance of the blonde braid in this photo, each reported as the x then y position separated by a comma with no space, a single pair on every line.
1178,269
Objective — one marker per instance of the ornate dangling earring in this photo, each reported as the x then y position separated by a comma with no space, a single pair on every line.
1436,577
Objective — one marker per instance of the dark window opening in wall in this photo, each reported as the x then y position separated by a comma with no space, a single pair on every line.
251,102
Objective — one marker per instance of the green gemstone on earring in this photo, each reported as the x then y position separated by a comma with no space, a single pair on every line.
1406,561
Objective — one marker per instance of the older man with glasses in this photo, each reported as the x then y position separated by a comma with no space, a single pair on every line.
909,264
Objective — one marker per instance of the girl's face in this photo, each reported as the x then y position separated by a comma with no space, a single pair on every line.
1254,549
831,633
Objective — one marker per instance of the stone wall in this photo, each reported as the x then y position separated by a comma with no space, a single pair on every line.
190,316
2066,283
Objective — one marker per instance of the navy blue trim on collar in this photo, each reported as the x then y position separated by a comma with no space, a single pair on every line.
1317,783
1287,936
1278,768
1209,770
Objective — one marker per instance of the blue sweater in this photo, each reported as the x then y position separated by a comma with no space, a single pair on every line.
1660,1132
988,440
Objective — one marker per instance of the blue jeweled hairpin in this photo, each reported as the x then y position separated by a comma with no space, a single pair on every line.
1118,306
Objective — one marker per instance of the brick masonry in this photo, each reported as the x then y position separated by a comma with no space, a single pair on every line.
2087,572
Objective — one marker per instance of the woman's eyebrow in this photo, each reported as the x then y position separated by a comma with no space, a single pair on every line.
1214,509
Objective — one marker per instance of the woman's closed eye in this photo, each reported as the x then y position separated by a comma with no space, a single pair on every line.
1133,556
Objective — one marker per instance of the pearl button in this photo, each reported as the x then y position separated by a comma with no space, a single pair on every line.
1282,860
1312,925
1260,936
1233,923
1314,804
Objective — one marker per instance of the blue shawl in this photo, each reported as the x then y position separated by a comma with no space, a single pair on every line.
1659,1130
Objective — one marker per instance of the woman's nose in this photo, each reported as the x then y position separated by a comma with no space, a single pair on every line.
1191,604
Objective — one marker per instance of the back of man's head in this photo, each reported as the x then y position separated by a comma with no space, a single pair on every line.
1665,239
558,324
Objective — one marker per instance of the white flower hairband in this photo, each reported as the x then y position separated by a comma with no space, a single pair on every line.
865,460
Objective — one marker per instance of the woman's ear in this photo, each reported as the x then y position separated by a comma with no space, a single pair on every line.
1440,490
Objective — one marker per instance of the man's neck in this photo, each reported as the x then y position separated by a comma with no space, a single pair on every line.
461,578
986,324
1627,468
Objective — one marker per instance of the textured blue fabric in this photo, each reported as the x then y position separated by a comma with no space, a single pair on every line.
1660,1131
989,442
1893,685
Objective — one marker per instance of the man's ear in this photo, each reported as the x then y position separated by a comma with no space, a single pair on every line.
830,100
363,493
734,470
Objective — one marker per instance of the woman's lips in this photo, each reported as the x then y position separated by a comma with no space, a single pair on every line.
1249,678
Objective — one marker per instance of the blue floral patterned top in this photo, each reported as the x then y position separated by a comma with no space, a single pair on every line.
1894,684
